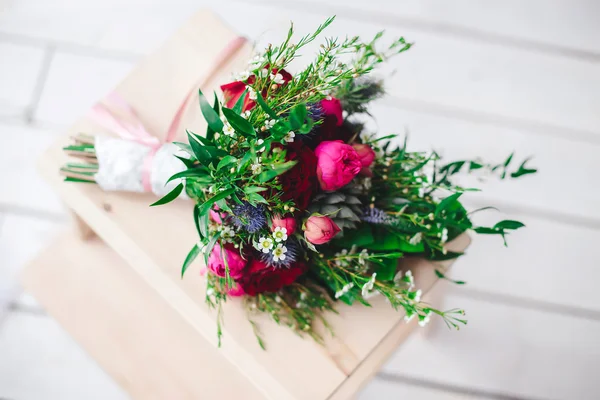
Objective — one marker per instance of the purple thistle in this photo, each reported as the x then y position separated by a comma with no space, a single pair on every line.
375,216
293,251
315,111
248,217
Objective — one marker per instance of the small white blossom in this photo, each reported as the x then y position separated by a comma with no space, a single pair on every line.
246,114
368,286
277,78
270,123
289,137
263,73
256,168
444,237
227,233
251,93
362,256
424,320
409,316
265,244
279,252
260,142
416,239
421,192
280,234
210,292
344,290
418,295
242,76
228,130
257,59
277,299
341,260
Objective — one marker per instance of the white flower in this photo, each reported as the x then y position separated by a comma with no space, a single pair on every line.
398,277
362,256
421,191
228,130
277,78
367,287
265,244
289,137
256,168
424,320
227,233
260,142
341,259
418,295
257,59
251,93
279,252
444,235
409,316
409,275
344,290
246,114
416,239
242,76
280,234
270,123
263,73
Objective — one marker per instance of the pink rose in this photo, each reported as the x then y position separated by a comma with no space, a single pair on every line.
337,164
333,107
236,291
320,229
288,223
235,262
366,155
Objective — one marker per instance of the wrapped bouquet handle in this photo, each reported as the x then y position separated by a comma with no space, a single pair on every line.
136,161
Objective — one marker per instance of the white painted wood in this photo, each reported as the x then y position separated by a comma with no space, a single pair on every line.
19,72
75,83
559,24
380,389
565,166
508,350
39,360
22,187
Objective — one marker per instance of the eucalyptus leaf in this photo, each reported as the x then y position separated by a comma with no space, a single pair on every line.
226,161
272,173
210,115
208,203
239,123
190,258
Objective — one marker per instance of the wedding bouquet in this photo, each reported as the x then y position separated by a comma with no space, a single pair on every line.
297,205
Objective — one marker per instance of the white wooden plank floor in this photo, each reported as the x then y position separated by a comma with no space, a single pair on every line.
485,78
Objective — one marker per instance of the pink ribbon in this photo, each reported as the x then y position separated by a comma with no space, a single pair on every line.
128,125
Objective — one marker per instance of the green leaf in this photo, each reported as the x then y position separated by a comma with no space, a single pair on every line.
190,258
254,198
362,236
272,173
203,223
239,105
210,115
208,203
265,107
254,189
297,116
201,152
440,275
186,161
509,224
210,245
185,147
447,203
523,170
169,197
199,175
196,220
226,161
239,123
210,134
245,160
387,269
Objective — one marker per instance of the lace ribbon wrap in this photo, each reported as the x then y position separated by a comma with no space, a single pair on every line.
121,166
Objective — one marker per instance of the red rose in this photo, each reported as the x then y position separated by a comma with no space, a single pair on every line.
233,91
259,277
300,183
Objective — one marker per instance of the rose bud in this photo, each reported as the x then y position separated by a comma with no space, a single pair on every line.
235,262
288,223
366,155
337,164
320,229
333,107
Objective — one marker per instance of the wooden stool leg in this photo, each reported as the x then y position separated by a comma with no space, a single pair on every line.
83,229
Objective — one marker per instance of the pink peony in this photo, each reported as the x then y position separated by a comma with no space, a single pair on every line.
320,229
337,164
235,262
366,155
288,223
333,107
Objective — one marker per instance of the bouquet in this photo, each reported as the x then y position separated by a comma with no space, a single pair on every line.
297,205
